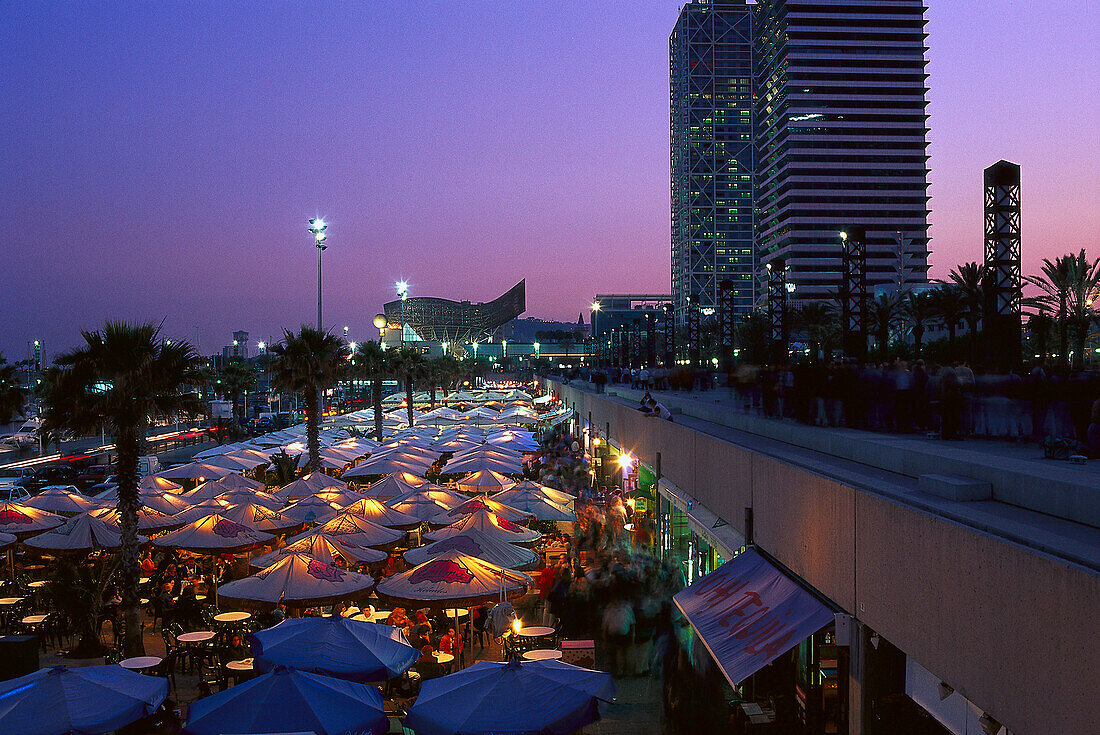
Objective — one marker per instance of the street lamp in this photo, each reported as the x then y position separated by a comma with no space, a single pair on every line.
596,305
380,325
317,228
443,346
475,351
261,346
503,348
537,350
403,293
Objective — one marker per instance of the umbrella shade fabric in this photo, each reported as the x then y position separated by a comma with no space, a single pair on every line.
195,471
308,485
470,465
387,466
230,462
356,530
334,646
419,506
199,511
483,502
557,699
161,501
90,699
392,486
341,496
558,496
328,461
249,460
160,484
441,495
238,481
383,515
312,509
23,520
329,549
260,518
298,581
6,540
453,579
259,497
489,523
490,451
535,504
149,520
289,701
61,499
83,533
214,534
227,484
484,481
473,542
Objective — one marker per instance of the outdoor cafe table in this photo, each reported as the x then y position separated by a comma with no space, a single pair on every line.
197,636
379,616
140,663
37,585
232,617
244,664
455,613
33,619
10,600
535,631
443,658
542,654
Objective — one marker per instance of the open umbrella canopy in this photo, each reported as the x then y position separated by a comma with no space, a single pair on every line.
489,523
214,488
392,486
308,485
214,534
356,530
490,451
536,504
484,481
162,501
558,496
328,461
341,496
420,505
376,512
6,540
312,509
296,580
199,511
89,699
260,518
259,497
453,579
482,502
65,499
23,520
388,466
557,699
289,701
334,646
84,533
149,520
329,549
195,471
160,484
470,465
473,542
230,462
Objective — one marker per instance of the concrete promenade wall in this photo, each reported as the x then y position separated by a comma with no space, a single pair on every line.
1014,630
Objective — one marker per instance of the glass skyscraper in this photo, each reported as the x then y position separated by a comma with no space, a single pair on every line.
710,80
841,136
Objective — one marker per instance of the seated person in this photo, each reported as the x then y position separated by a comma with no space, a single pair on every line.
427,666
397,618
420,636
646,405
450,643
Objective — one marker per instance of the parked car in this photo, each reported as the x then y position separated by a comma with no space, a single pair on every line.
15,475
58,474
13,494
92,475
99,488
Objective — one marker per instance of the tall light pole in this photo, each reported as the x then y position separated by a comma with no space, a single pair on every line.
380,325
317,229
596,305
403,292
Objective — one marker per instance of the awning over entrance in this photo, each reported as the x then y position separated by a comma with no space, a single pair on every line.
747,612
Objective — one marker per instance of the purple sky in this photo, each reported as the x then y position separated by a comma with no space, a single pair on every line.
160,160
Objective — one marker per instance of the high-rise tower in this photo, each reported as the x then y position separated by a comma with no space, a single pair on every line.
841,136
710,81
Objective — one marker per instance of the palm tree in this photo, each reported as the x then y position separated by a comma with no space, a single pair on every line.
950,306
817,319
409,363
970,279
372,364
1038,327
917,308
1084,291
12,395
311,361
238,376
122,376
1055,284
883,315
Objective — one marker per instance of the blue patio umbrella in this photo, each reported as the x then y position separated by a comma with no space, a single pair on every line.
91,699
286,700
544,697
334,646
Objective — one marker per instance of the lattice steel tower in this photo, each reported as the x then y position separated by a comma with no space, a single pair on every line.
710,82
1002,262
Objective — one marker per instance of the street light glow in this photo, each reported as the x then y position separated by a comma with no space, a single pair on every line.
596,306
843,235
262,345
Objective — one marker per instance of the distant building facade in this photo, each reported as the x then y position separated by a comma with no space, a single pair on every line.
619,311
430,319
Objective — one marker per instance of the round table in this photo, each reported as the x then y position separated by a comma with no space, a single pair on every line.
200,598
37,585
535,631
34,619
138,663
443,658
542,654
197,636
379,615
453,612
10,600
232,617
244,664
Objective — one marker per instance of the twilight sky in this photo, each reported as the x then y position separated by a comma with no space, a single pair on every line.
160,160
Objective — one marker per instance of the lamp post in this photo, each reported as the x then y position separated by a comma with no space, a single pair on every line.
403,292
317,228
380,325
592,324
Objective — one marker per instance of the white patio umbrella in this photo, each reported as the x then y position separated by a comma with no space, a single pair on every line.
392,486
312,509
484,481
297,581
376,512
23,520
357,530
260,518
483,502
214,534
195,471
474,542
61,499
148,520
82,534
329,549
489,523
